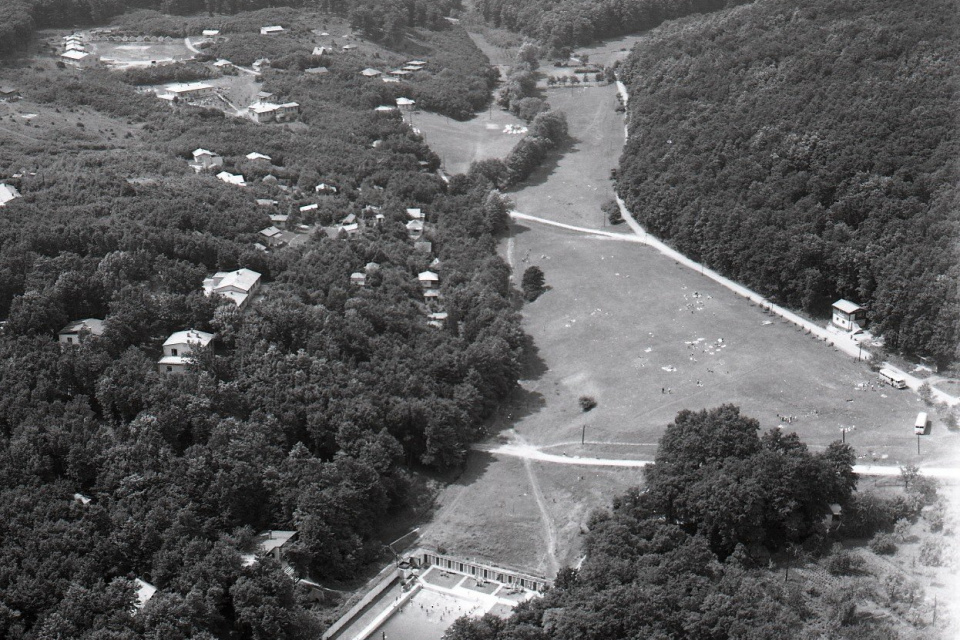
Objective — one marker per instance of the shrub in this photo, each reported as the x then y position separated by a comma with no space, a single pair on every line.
867,513
931,553
844,563
611,210
533,283
883,544
925,393
587,403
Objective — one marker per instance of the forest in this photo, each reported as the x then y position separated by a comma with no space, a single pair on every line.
323,407
703,549
381,20
809,153
562,25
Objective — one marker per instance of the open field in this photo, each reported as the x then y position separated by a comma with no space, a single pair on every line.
575,181
646,337
460,143
131,54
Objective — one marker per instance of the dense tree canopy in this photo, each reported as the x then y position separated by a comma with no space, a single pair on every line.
315,409
686,556
563,24
809,153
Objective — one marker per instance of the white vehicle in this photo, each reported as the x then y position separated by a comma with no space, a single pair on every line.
893,379
920,427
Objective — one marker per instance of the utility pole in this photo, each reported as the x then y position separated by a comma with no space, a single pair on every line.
918,444
583,435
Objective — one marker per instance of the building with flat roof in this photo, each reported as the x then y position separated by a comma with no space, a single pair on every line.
266,31
189,90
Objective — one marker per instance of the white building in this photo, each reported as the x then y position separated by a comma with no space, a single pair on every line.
266,31
179,347
428,279
270,112
78,58
190,90
78,331
272,236
406,104
258,156
848,316
231,178
319,51
210,33
203,159
358,279
415,214
145,591
7,193
238,286
370,73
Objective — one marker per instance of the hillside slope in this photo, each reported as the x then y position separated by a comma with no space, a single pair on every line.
809,153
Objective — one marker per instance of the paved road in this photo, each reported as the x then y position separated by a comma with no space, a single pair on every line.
530,452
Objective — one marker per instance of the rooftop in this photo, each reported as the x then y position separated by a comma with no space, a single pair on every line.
257,156
93,325
846,306
190,336
270,540
7,193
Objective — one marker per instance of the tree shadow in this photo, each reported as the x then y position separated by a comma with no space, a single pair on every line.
549,165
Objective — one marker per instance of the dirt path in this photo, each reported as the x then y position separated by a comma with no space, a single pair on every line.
529,452
549,530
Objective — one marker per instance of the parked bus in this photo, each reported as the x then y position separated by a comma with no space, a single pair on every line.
893,379
920,427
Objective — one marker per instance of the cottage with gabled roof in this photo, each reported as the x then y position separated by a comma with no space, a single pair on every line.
145,591
428,279
7,193
178,349
237,286
203,159
371,73
232,178
272,236
358,279
79,330
848,316
415,228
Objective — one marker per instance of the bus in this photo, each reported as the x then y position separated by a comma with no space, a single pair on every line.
920,427
893,379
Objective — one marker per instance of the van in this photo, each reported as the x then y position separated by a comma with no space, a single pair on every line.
920,427
893,379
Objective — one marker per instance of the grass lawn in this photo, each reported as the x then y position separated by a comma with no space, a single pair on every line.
575,181
460,143
132,53
643,335
646,338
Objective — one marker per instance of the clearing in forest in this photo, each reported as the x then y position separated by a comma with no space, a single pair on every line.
646,337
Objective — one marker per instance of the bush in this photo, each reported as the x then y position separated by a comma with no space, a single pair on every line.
883,544
844,563
931,553
533,283
611,210
587,403
867,513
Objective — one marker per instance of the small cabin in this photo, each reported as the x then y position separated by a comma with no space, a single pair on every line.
77,332
358,279
848,316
